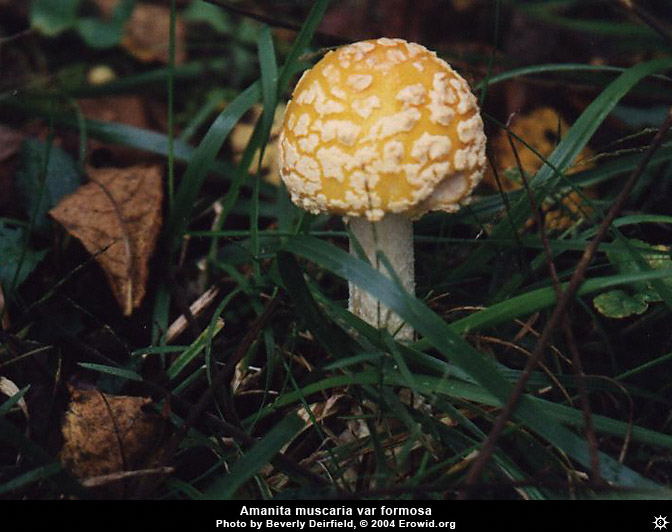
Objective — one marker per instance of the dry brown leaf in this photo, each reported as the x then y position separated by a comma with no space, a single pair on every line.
118,109
242,133
146,36
539,129
128,109
106,7
117,217
105,434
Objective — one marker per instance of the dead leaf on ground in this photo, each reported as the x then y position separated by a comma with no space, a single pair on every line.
105,434
106,7
541,129
117,217
146,35
129,110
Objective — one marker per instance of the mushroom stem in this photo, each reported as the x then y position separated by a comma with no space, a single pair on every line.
393,237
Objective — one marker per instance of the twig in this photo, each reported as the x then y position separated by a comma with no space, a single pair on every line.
102,480
19,35
648,19
226,429
563,303
180,324
538,215
271,21
179,296
220,378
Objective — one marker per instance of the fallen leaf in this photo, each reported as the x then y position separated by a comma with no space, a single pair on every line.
540,129
107,7
47,174
146,35
118,109
117,217
124,109
105,434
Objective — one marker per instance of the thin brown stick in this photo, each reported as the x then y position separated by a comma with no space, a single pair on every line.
271,21
510,345
577,366
103,480
220,378
196,308
647,18
563,303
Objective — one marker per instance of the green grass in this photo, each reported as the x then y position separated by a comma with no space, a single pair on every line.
318,396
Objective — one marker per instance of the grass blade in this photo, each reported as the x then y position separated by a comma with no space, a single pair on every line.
202,160
31,477
111,370
482,369
550,174
258,456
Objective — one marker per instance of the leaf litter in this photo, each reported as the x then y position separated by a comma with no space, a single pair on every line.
117,217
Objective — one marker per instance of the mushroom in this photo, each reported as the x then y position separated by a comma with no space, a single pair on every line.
381,132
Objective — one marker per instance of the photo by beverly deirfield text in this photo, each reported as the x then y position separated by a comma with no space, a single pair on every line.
334,517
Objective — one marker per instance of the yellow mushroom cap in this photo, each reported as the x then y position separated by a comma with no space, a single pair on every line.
381,126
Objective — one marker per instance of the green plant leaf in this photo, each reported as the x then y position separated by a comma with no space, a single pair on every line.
625,303
100,33
52,17
35,475
43,183
214,16
114,371
258,456
12,242
620,304
191,352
